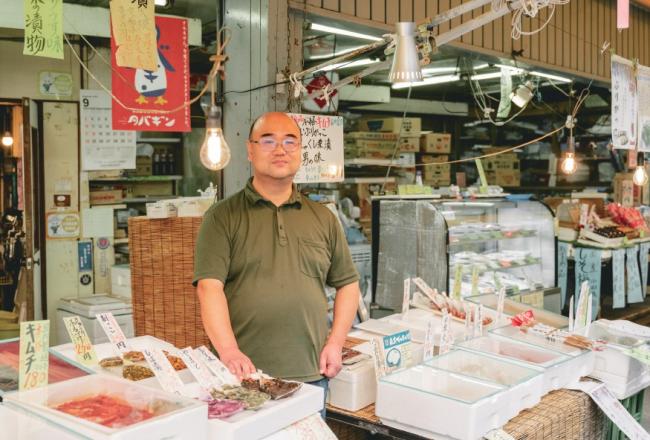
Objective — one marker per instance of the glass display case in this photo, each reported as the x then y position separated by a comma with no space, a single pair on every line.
482,244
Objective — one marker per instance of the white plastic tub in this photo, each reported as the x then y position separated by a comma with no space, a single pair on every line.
433,403
512,308
354,388
173,416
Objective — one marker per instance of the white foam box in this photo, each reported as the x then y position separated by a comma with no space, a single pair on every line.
184,418
18,424
417,320
512,308
138,343
354,388
623,375
272,417
377,329
434,403
121,280
559,370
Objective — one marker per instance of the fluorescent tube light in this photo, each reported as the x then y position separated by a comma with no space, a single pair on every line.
555,78
339,31
428,81
348,64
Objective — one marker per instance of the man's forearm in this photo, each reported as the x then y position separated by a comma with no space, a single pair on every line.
214,314
346,304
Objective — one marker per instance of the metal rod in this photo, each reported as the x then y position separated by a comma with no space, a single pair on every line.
341,58
458,11
349,79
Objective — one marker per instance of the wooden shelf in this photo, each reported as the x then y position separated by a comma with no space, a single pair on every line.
369,180
137,200
138,179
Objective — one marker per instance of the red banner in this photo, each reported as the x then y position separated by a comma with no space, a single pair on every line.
165,89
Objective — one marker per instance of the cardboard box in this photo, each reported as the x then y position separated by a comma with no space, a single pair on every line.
624,189
370,146
147,189
498,163
437,181
143,166
106,197
435,143
435,172
503,178
410,126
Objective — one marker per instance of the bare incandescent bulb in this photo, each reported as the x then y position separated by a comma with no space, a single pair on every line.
640,176
7,139
569,164
215,153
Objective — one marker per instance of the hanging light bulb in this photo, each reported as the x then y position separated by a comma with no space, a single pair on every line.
569,164
215,153
640,176
7,139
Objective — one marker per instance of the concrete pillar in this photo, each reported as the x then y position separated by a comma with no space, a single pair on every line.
266,40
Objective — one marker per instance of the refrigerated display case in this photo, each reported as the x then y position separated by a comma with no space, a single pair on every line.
483,244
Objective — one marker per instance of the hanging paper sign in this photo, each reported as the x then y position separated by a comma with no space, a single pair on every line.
146,92
643,86
43,28
133,32
618,278
103,148
113,331
83,347
634,294
322,157
625,108
587,268
397,350
34,357
429,342
562,269
216,366
644,248
163,370
406,298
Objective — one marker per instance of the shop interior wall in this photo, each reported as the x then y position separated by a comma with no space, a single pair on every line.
571,43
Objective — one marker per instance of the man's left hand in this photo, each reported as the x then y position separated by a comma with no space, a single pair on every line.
330,359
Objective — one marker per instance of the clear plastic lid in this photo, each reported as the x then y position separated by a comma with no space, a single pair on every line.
482,367
513,308
100,403
603,333
442,383
515,351
517,334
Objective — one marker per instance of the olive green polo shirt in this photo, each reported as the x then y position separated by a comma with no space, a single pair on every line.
274,263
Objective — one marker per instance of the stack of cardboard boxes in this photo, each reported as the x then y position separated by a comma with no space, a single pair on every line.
435,149
502,170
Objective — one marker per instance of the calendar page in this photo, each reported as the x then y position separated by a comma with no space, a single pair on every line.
103,148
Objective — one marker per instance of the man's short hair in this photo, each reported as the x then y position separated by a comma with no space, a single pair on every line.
250,131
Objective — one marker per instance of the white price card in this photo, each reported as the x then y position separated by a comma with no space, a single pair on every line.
429,342
613,409
468,321
479,319
113,331
445,334
501,299
83,347
424,287
164,371
406,298
378,358
216,366
199,370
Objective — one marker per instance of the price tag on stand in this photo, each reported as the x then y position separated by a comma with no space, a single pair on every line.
479,319
216,366
475,275
378,358
458,281
445,334
424,287
199,370
429,343
497,281
83,347
468,321
475,324
397,351
164,371
34,357
501,300
113,331
406,298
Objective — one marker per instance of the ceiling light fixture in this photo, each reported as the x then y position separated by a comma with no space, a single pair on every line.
339,31
406,61
214,153
522,96
555,78
428,81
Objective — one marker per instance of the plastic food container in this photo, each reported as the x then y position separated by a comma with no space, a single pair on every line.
512,308
624,375
558,369
440,404
515,333
355,387
170,416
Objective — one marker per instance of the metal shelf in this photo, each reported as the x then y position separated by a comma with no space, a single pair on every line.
138,179
159,140
488,239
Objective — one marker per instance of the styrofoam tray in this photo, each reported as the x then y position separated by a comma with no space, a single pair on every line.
432,411
273,416
417,321
108,350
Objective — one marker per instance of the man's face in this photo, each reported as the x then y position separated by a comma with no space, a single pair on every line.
274,146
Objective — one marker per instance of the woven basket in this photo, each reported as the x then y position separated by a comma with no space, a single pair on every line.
162,265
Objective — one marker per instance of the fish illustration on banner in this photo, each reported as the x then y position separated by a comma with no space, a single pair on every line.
147,92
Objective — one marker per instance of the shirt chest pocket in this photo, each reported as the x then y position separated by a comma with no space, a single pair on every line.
314,259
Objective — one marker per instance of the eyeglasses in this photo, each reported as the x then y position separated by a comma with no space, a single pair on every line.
269,144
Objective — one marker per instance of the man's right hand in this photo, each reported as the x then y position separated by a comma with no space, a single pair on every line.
237,362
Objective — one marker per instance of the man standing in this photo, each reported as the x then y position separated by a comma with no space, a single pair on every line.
263,257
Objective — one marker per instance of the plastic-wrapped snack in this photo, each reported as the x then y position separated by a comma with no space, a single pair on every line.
176,362
136,372
221,408
134,356
115,361
250,398
278,388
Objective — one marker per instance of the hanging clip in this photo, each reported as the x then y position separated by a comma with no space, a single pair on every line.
604,47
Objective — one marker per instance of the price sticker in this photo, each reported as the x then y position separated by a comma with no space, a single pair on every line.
113,331
163,370
34,357
83,347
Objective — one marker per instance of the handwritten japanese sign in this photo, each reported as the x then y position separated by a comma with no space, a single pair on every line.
163,370
216,366
618,278
83,348
634,294
34,356
644,248
134,31
587,268
322,148
146,93
625,107
199,370
113,331
44,28
562,269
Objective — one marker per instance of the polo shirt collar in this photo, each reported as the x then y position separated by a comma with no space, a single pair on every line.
255,197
